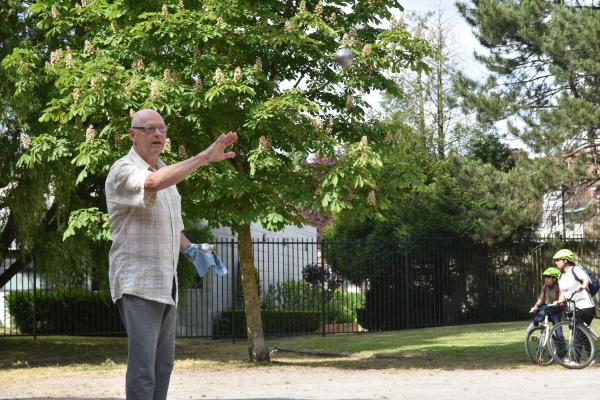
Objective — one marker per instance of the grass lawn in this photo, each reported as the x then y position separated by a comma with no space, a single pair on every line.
485,346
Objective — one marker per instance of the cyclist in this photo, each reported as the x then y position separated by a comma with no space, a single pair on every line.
549,294
571,288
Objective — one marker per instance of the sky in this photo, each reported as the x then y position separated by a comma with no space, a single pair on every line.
462,45
462,42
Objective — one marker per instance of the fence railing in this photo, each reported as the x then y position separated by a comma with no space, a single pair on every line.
310,287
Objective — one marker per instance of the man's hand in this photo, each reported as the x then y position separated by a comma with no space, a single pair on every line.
216,151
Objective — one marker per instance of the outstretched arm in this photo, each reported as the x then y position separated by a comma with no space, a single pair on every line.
175,173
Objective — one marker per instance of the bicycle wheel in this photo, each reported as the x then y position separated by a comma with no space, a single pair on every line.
536,347
576,349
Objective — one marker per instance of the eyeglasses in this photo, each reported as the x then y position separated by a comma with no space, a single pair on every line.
148,130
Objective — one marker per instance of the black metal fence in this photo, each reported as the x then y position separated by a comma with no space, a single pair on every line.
309,287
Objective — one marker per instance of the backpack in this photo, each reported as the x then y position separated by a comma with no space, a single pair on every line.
594,283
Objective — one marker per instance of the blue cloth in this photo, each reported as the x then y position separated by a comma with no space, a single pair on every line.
203,260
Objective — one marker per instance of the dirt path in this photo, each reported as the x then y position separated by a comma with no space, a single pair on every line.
299,383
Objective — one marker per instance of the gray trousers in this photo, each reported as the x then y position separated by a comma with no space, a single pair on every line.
150,346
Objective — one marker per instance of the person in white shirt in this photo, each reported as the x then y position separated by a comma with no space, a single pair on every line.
144,211
573,283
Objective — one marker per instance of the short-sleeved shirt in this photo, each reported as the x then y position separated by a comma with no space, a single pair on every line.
568,285
145,227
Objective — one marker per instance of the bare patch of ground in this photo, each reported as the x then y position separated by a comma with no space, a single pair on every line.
291,382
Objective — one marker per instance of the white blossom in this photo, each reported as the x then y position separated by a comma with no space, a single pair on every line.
131,113
333,18
389,138
264,143
302,7
198,86
137,64
90,134
289,26
419,31
258,64
219,77
367,49
237,74
56,56
154,89
114,26
55,13
25,140
330,126
93,82
364,141
167,144
318,123
349,101
76,94
69,61
347,40
220,21
165,10
182,152
88,47
319,8
371,199
181,5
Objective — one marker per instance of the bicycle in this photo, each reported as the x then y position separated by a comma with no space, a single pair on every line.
577,349
537,342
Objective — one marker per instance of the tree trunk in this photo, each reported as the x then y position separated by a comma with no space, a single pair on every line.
420,89
441,137
257,347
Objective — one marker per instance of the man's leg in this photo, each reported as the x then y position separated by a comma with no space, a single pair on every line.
165,353
142,319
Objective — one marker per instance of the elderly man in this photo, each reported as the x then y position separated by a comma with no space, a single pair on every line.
144,210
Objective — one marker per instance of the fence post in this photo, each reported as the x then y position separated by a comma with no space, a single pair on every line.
322,290
406,286
34,297
233,289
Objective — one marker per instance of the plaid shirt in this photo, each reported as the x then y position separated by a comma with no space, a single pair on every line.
145,228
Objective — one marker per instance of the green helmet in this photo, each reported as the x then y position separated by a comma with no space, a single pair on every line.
564,254
552,271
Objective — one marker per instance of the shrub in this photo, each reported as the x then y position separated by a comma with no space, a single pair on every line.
339,306
293,296
342,307
274,322
64,312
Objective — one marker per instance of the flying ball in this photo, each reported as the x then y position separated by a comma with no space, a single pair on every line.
343,57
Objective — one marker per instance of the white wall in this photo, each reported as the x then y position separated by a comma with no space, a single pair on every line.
274,261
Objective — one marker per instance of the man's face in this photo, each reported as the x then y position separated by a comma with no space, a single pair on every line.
148,136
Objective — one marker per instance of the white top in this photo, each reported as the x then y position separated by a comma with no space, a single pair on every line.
568,284
145,228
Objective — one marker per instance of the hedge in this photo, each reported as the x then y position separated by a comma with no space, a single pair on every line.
274,322
64,312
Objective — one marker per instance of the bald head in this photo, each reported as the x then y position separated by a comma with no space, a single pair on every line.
140,117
